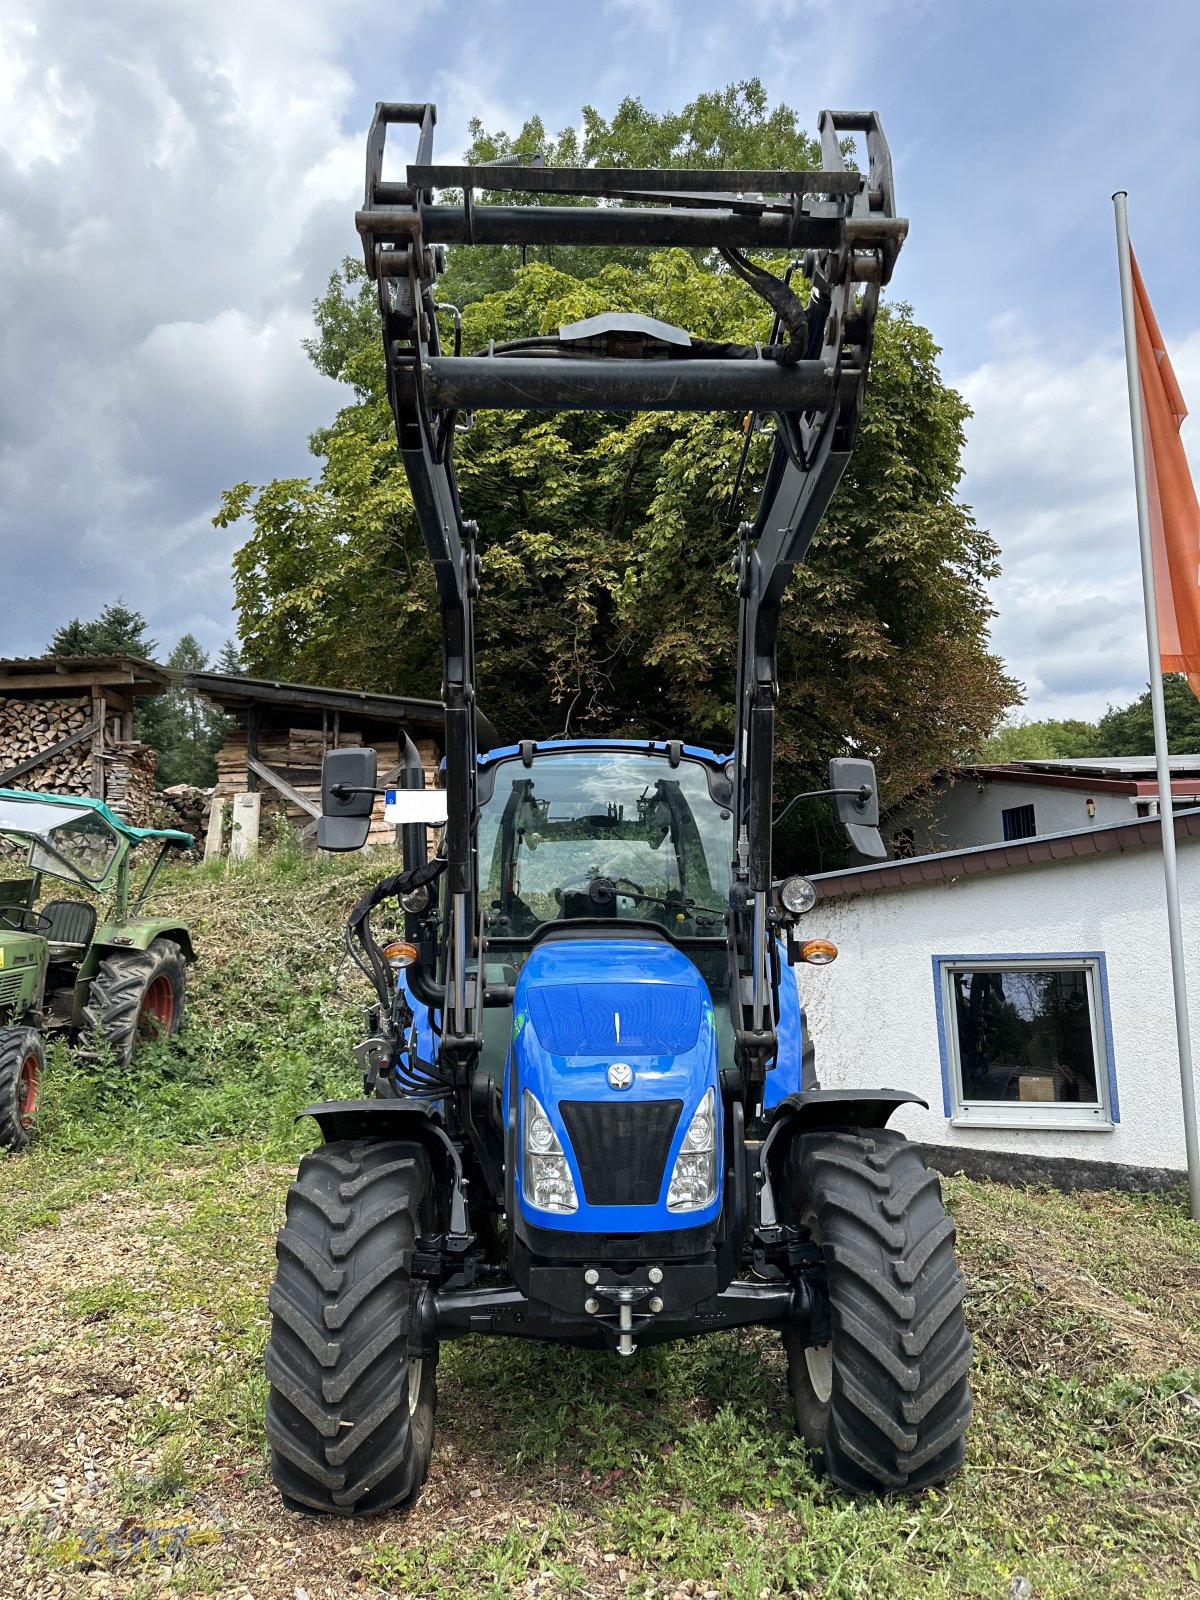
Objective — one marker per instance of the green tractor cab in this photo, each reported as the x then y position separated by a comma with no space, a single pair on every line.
108,983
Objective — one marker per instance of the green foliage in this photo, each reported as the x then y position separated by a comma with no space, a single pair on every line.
1122,731
734,127
183,728
229,660
190,731
1048,740
272,1013
117,631
1129,730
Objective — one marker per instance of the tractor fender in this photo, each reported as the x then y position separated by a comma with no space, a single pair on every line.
408,1121
113,938
141,932
819,1109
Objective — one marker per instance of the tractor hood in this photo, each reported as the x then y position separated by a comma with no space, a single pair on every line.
616,1039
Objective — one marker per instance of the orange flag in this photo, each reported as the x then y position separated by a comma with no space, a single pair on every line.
1174,513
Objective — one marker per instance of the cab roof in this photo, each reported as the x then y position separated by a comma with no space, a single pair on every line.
87,803
658,747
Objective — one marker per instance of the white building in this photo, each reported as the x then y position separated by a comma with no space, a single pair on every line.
1022,799
1023,989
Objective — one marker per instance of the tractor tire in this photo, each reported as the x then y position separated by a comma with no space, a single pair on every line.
136,995
350,1413
22,1065
885,1405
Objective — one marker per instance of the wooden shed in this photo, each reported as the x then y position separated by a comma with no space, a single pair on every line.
280,732
66,727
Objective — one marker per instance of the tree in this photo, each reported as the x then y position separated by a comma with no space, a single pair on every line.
229,660
1129,730
1048,740
608,604
117,631
184,730
190,731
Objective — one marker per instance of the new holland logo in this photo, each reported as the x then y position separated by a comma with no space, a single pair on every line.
620,1075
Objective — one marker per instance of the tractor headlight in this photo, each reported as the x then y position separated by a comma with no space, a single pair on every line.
416,900
548,1182
798,896
694,1180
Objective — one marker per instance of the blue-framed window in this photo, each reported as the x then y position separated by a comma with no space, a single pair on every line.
1026,1040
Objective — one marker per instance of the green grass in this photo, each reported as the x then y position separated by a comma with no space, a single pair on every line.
557,1472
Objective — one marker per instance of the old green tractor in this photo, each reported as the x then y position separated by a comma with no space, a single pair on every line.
109,984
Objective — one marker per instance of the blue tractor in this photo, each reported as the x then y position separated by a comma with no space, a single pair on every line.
590,1112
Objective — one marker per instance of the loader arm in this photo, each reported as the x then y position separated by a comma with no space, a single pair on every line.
843,223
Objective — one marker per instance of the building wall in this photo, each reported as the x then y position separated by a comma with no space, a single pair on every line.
874,1012
968,813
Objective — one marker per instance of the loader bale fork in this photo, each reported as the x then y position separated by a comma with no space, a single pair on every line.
590,1109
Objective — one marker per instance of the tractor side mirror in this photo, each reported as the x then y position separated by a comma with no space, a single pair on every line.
856,802
347,799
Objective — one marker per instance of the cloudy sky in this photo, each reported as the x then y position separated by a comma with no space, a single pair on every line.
178,177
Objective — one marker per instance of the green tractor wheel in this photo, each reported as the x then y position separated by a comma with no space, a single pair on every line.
22,1064
136,995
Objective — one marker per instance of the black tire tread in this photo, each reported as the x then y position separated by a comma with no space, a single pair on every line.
901,1401
110,1017
343,1438
15,1046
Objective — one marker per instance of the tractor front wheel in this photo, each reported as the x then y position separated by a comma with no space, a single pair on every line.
22,1064
885,1404
350,1404
136,995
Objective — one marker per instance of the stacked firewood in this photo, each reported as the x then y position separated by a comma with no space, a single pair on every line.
295,755
129,782
28,726
184,806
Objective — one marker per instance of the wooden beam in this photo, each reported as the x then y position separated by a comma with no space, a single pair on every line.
215,837
253,723
261,770
98,715
16,684
31,762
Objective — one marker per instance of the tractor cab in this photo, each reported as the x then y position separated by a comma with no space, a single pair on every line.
604,832
604,879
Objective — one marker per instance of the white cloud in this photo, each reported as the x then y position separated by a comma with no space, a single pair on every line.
1049,472
176,182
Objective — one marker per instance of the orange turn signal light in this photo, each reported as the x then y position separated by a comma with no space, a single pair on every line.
820,952
399,953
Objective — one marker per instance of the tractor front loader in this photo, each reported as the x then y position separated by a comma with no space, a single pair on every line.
587,1027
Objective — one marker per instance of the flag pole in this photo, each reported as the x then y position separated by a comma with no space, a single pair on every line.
1166,813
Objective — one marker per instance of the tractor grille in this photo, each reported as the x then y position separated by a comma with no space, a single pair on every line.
621,1147
10,986
581,1020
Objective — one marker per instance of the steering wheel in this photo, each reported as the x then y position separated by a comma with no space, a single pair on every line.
603,891
24,919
